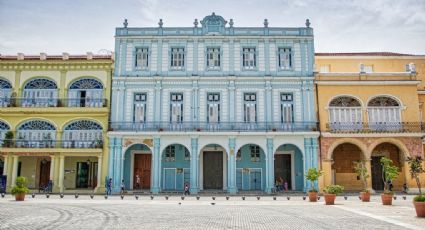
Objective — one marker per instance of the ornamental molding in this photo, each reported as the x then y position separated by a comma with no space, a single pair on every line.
55,66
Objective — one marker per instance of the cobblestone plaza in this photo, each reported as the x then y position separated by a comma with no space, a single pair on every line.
190,213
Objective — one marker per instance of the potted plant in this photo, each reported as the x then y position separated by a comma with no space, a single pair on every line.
416,168
8,139
330,193
20,188
361,171
389,173
313,175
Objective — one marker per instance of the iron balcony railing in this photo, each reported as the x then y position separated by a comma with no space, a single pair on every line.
375,127
53,102
73,144
215,127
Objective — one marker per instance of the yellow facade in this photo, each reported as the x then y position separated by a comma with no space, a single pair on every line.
29,155
369,105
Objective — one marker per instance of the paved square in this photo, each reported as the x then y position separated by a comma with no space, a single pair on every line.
174,213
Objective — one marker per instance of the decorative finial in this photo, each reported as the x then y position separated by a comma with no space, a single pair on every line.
266,23
231,23
307,23
195,23
160,23
125,23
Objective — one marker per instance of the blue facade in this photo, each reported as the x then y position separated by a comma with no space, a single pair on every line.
216,85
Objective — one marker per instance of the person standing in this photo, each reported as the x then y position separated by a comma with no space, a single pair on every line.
137,181
122,187
186,189
109,187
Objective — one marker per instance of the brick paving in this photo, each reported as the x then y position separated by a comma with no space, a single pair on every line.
174,213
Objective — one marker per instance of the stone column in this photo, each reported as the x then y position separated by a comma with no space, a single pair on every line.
156,188
269,166
307,162
369,172
5,162
116,179
14,170
100,186
52,168
194,164
231,167
111,157
61,173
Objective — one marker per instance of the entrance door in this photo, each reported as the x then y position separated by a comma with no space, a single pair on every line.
213,170
142,167
169,179
255,179
282,168
376,168
82,96
82,175
44,174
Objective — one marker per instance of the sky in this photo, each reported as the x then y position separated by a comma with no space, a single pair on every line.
80,26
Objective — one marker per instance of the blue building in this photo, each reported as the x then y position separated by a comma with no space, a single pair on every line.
213,106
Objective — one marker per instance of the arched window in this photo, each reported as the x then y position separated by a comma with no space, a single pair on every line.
384,113
5,93
36,133
345,113
82,134
3,129
85,92
40,92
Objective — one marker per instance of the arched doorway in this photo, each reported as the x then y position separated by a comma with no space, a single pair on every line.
175,168
250,168
213,167
393,152
344,157
289,166
138,164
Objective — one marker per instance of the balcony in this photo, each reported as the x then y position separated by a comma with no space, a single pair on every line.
376,127
52,102
95,144
214,127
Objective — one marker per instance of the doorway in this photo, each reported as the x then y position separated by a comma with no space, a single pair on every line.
82,175
44,173
283,168
213,170
142,168
376,168
82,97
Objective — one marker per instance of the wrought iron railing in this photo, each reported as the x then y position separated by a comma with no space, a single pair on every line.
53,102
375,127
215,127
73,144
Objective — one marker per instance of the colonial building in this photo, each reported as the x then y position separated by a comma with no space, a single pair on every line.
368,107
213,106
53,120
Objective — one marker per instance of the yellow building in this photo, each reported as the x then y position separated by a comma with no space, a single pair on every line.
368,107
56,108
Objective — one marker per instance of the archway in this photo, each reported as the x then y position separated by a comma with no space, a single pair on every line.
138,164
85,92
40,92
344,157
175,168
250,168
393,152
213,167
289,167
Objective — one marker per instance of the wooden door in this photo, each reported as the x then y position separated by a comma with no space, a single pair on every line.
282,168
142,167
376,168
213,170
44,174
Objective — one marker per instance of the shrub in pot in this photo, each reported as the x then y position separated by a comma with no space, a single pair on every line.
389,173
361,171
20,188
313,175
416,169
330,193
8,139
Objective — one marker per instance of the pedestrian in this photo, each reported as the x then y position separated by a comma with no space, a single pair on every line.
109,187
186,190
286,185
405,188
122,187
137,181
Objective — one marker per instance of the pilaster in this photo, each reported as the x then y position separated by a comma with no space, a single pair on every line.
194,164
269,166
231,167
61,173
156,188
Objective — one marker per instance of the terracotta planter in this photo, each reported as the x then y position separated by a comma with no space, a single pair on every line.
20,196
387,199
312,196
420,208
365,196
330,198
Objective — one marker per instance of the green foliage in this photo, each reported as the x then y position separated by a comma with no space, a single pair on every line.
389,173
313,175
361,171
419,198
20,186
334,189
415,169
8,137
